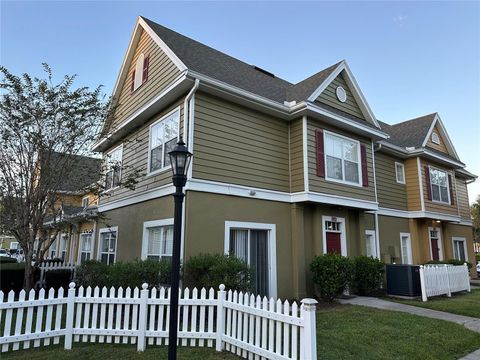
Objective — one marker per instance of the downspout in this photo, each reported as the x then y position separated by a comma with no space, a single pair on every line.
187,123
377,231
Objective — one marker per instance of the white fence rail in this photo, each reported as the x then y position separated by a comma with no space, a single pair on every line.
49,266
443,280
249,326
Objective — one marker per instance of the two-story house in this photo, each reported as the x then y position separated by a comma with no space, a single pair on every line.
281,172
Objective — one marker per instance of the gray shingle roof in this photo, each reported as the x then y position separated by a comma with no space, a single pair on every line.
220,66
410,133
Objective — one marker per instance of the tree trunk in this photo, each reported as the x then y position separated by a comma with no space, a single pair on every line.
28,278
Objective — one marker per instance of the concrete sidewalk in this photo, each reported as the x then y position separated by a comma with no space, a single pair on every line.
472,356
470,323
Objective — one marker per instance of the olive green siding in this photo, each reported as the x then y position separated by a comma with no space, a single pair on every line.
130,221
233,144
462,198
369,221
161,72
135,157
329,97
431,205
296,156
389,229
321,185
390,193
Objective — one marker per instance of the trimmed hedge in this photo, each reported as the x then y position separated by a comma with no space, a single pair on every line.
58,278
126,274
211,270
332,273
367,275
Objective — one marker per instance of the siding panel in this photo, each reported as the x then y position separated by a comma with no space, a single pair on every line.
413,190
296,156
236,145
462,198
390,193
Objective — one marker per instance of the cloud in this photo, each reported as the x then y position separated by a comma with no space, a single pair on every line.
400,19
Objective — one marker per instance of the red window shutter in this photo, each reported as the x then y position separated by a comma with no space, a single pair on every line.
145,68
320,153
132,85
427,179
450,185
363,153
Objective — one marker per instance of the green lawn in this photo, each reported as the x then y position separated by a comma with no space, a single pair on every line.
343,332
467,304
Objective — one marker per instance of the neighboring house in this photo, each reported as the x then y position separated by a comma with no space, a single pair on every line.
8,242
281,172
76,213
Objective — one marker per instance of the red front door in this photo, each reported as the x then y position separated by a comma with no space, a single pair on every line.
434,243
334,244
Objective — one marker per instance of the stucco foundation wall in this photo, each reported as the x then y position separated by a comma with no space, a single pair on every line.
129,220
389,228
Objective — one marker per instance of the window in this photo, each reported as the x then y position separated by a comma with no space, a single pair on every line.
163,137
52,250
108,245
85,246
406,248
14,245
140,73
157,239
342,158
85,202
371,247
459,249
439,185
400,172
255,244
114,167
435,138
63,246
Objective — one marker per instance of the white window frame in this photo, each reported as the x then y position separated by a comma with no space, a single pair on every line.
60,250
462,239
430,168
402,165
371,233
409,247
272,248
342,231
138,79
164,117
435,138
99,245
119,147
79,255
17,246
53,248
146,226
440,242
359,159
88,201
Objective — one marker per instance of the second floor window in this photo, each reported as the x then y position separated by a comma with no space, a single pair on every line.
439,185
400,173
163,137
342,159
114,167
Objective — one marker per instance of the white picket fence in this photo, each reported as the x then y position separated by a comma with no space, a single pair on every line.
49,266
445,279
251,327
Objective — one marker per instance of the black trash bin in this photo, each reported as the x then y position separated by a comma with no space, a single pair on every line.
403,280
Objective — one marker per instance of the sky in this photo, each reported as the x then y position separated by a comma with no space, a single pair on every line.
409,58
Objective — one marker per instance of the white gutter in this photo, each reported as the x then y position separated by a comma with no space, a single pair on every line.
185,110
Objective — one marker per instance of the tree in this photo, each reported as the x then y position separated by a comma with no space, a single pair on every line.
40,119
475,212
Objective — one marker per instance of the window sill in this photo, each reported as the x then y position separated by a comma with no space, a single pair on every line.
158,172
441,202
343,182
110,190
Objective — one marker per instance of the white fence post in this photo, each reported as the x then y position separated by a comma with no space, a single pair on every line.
422,283
447,277
307,312
220,318
70,312
142,318
469,289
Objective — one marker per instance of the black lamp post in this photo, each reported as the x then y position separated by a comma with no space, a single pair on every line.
180,159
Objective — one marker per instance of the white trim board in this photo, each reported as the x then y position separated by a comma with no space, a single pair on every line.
449,143
420,214
306,185
272,247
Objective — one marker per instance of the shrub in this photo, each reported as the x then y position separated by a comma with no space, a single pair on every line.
332,274
7,260
211,270
367,275
450,262
11,276
125,274
58,278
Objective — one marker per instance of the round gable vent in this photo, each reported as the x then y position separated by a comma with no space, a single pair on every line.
341,94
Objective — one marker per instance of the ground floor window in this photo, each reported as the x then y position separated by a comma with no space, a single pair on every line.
371,246
63,246
52,250
255,244
406,248
157,239
86,246
108,245
459,249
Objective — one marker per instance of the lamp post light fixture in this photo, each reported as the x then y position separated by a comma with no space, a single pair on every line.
180,160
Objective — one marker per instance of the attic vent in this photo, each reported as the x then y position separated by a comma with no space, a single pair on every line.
263,71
